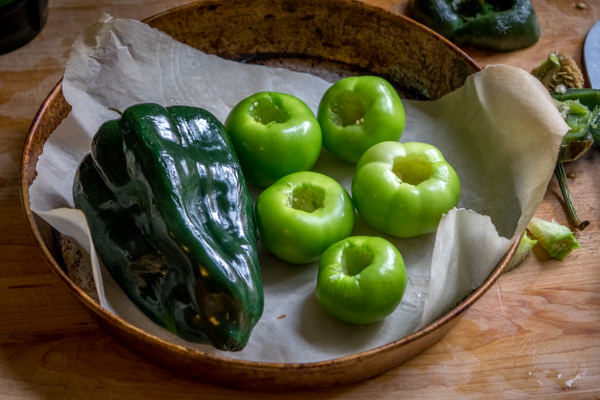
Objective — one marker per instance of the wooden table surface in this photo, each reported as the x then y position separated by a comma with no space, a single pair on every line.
535,334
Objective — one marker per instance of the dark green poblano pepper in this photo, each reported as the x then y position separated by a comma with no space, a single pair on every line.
171,219
500,25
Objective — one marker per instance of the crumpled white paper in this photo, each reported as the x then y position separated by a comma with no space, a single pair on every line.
500,131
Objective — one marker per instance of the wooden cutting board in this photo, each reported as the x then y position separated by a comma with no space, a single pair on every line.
536,333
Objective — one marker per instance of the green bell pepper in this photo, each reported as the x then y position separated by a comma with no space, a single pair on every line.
171,220
361,279
500,25
403,189
302,214
274,135
358,112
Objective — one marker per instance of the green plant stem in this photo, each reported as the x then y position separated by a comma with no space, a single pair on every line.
116,110
559,171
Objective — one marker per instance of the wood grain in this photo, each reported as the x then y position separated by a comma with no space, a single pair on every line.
536,334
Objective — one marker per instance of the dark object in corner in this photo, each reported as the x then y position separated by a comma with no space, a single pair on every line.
20,22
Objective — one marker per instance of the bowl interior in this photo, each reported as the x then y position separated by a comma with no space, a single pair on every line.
330,39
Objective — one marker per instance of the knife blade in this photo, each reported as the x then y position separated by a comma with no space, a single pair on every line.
591,55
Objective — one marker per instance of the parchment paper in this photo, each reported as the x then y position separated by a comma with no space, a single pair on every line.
500,131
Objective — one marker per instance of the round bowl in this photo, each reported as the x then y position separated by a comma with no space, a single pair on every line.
331,39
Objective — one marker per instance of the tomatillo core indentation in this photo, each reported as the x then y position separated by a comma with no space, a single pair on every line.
412,169
348,109
307,198
355,259
269,109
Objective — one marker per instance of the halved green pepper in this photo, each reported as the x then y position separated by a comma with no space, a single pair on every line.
172,221
500,25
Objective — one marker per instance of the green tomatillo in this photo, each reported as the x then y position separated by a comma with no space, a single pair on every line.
361,279
358,112
274,134
403,189
302,214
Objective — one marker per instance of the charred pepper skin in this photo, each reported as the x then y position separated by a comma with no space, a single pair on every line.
511,25
172,221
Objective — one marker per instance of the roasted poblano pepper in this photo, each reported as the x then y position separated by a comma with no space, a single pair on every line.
500,25
172,221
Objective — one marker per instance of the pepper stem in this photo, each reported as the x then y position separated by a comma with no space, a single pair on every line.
116,110
559,171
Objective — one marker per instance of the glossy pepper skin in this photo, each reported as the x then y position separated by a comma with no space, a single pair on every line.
172,221
499,25
403,189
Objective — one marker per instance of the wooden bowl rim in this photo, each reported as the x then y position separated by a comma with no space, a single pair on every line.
355,3
92,305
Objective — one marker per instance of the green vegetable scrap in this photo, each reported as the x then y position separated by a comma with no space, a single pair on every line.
580,108
525,246
559,72
500,25
557,239
578,117
172,221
